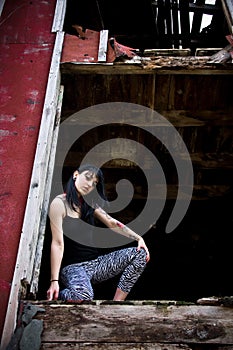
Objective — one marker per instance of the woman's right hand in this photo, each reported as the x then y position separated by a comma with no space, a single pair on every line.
53,291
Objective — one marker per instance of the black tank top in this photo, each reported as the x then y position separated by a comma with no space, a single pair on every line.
78,243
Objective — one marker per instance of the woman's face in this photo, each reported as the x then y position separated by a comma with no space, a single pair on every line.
85,182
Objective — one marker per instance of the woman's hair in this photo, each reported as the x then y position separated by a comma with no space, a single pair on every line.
74,201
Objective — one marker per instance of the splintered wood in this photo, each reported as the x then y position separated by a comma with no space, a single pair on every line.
190,62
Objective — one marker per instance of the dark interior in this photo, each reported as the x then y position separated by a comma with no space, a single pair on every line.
194,260
152,24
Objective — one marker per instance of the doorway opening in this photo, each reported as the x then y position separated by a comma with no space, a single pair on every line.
194,260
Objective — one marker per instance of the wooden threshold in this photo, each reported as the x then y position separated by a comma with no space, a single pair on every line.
128,325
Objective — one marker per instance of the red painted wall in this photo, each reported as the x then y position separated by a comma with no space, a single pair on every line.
26,46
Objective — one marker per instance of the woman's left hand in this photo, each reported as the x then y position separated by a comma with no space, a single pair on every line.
142,244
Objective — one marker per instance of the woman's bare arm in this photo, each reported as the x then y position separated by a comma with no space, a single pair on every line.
119,227
56,214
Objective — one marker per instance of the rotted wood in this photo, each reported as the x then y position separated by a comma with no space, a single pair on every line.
168,64
189,63
123,323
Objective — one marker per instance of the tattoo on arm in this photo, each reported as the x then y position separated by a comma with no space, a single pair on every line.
119,224
104,212
126,230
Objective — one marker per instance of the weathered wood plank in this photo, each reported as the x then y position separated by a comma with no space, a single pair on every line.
126,346
178,118
45,204
114,346
166,93
187,324
111,88
59,16
167,65
192,92
103,44
167,52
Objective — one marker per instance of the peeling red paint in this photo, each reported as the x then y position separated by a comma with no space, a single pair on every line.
26,46
79,50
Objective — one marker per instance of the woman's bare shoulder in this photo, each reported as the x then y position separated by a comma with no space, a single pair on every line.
58,205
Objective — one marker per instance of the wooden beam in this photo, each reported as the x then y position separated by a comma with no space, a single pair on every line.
144,323
203,8
168,65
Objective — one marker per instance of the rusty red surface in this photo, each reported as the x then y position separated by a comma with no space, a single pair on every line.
85,50
26,45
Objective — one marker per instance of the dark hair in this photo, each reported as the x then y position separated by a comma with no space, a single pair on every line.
75,201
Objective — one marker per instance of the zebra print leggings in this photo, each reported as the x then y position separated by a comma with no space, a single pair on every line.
78,278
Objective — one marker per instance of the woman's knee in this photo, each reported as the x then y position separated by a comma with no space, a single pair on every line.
80,293
141,255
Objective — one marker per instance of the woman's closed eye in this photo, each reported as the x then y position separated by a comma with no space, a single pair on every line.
89,178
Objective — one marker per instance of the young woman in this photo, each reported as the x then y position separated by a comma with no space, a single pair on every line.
79,266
